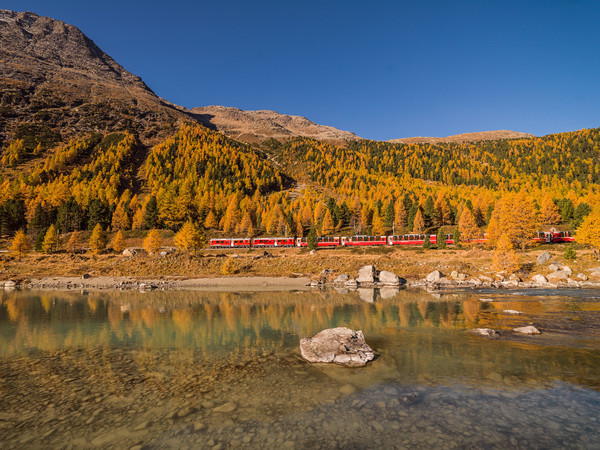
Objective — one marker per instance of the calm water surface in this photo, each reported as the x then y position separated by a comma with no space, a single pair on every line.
213,369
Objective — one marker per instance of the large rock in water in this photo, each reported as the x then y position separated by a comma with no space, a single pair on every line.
366,275
338,346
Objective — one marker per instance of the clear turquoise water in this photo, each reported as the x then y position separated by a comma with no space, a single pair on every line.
213,369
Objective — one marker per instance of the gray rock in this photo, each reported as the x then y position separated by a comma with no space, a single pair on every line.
130,252
454,274
338,346
566,269
485,279
389,278
165,253
366,275
341,279
485,332
10,284
514,277
573,283
582,276
529,329
553,267
434,276
556,276
539,279
543,258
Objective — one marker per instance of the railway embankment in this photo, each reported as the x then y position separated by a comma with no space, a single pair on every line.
294,268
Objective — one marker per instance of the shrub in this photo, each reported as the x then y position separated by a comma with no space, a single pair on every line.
570,252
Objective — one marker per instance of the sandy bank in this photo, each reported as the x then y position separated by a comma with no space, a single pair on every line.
224,284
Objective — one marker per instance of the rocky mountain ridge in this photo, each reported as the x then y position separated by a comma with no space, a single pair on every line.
256,126
56,81
465,137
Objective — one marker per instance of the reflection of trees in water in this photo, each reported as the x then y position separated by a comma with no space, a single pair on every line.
209,320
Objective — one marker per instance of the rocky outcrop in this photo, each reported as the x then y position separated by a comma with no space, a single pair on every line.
539,279
257,126
466,137
341,346
51,69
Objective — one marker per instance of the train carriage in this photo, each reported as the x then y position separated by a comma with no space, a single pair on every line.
273,242
324,241
411,239
358,241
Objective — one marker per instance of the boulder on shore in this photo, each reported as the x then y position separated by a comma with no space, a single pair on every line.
389,278
341,279
434,276
543,258
539,279
366,275
338,346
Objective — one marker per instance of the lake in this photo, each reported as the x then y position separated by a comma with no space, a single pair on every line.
208,369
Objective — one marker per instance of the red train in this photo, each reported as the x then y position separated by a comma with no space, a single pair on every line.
369,241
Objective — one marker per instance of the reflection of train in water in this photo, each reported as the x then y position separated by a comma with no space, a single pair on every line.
369,241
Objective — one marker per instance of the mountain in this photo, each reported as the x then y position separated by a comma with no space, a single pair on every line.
466,137
55,79
256,126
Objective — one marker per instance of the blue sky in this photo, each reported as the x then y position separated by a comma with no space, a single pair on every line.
382,69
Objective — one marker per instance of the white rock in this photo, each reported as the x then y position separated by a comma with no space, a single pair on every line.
511,311
366,275
566,269
485,332
338,346
554,267
485,300
582,276
389,278
10,284
129,252
351,283
341,279
539,279
529,329
434,276
485,279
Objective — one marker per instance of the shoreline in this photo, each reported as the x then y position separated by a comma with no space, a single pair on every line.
264,283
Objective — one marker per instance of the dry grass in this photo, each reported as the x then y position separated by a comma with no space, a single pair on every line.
408,263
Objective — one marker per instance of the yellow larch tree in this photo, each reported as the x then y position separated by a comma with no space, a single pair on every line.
98,239
505,257
589,230
120,218
419,222
189,238
328,225
50,243
118,243
549,214
152,242
20,244
467,226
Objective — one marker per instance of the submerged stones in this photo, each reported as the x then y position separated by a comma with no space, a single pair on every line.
529,329
340,345
486,332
